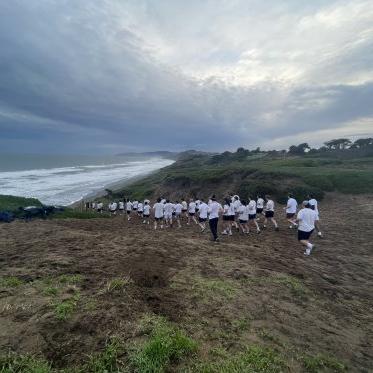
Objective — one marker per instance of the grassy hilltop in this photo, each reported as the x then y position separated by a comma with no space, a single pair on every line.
255,172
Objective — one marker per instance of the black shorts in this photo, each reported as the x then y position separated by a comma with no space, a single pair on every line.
228,217
139,212
270,214
252,216
159,219
128,212
201,220
242,221
146,215
259,210
302,235
290,215
134,209
192,213
184,210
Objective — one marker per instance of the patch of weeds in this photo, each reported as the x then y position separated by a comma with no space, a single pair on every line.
10,282
50,291
219,352
266,335
166,345
106,361
91,305
213,288
295,285
13,363
323,363
63,310
70,279
117,284
253,359
241,324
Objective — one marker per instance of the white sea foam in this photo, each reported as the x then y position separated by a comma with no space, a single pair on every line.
64,185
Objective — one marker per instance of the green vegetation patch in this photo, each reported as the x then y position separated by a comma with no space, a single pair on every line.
165,345
10,282
70,279
117,284
13,363
253,359
207,288
13,203
323,363
64,309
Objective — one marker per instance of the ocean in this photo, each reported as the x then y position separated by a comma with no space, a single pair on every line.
62,180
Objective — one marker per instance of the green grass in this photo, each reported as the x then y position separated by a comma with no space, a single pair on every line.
323,363
208,289
12,203
117,284
50,291
74,214
253,359
70,279
10,282
13,363
165,346
64,309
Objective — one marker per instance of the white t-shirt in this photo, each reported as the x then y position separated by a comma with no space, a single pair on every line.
158,210
203,209
270,205
236,204
231,210
93,205
192,207
214,209
251,207
291,207
121,205
135,204
198,203
313,203
306,218
226,210
163,201
168,208
185,205
146,210
178,208
100,206
113,206
140,207
243,213
129,206
260,203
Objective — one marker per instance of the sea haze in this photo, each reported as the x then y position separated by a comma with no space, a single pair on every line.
62,180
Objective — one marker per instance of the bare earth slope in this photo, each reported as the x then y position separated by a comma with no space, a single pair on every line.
259,289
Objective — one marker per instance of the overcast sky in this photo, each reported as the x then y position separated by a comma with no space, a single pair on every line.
105,76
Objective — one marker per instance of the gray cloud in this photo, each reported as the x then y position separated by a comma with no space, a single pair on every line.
101,76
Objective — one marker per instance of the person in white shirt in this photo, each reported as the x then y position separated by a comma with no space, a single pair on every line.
140,208
197,204
158,213
270,213
236,205
178,212
243,217
314,206
192,211
291,210
168,211
100,206
121,207
203,211
113,208
185,207
214,210
93,205
228,216
146,212
307,220
135,204
251,210
128,209
259,207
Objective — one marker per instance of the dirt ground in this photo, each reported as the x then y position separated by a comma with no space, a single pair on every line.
256,289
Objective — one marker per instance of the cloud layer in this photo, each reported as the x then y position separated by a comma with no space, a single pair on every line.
107,76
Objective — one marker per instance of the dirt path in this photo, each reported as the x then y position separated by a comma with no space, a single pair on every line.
256,289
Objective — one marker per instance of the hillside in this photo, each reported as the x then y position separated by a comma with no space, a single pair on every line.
250,173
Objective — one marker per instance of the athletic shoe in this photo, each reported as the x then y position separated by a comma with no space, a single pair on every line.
277,229
290,227
319,234
224,232
258,231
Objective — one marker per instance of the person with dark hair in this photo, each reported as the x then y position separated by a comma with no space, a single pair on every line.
291,210
252,208
259,206
158,213
191,211
168,211
202,211
270,212
314,206
228,216
214,210
146,212
243,217
178,212
128,209
307,220
140,208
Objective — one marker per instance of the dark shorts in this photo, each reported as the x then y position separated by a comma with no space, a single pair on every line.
201,220
192,213
259,211
159,219
228,217
242,221
128,212
134,209
304,235
290,215
184,210
270,214
252,217
146,215
139,212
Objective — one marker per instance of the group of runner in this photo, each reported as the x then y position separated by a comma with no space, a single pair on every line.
237,214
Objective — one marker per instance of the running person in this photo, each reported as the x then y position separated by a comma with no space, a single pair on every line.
270,212
314,206
140,208
251,209
113,208
168,211
192,211
146,212
291,210
243,217
135,205
121,207
236,205
213,210
259,207
185,207
203,211
158,213
228,216
307,220
128,209
178,212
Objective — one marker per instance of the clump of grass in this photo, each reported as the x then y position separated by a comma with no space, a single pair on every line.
213,288
117,284
253,359
13,363
70,279
108,360
10,282
295,285
63,310
166,344
50,291
320,363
